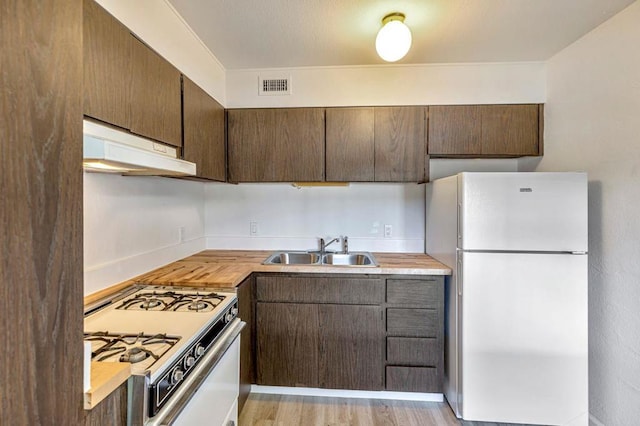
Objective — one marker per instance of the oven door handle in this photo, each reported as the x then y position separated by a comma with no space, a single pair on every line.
183,395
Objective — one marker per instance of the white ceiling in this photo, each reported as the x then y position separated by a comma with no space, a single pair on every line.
246,34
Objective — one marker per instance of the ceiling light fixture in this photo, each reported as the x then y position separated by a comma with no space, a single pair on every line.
394,38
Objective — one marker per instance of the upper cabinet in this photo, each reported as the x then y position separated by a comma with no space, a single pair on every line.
127,84
204,132
376,144
155,102
276,145
350,144
107,66
400,145
485,130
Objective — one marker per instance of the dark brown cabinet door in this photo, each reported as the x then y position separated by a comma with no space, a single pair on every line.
246,300
349,144
485,130
287,344
203,120
276,145
400,144
107,66
156,106
111,411
510,130
351,347
41,212
455,129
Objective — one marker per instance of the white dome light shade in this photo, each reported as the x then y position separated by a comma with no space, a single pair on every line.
394,38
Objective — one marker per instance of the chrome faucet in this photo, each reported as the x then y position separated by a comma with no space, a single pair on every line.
323,245
345,244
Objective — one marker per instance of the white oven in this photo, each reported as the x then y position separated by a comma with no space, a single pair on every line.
215,402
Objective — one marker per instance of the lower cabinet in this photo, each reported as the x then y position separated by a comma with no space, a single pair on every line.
415,334
324,341
351,349
110,411
246,307
358,332
326,346
287,344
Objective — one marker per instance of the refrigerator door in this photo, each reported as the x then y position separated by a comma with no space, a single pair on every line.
523,353
522,212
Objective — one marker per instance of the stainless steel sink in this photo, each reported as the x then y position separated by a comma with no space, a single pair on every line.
329,259
292,258
349,259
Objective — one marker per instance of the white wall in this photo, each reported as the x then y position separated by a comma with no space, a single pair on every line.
132,225
592,123
393,85
161,27
291,218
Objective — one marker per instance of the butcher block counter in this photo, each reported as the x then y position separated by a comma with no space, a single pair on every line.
228,268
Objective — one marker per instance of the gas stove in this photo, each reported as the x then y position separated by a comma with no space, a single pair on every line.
163,331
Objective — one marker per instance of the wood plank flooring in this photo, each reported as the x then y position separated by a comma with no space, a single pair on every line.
289,410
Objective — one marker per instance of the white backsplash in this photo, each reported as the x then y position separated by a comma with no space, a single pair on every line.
290,218
135,224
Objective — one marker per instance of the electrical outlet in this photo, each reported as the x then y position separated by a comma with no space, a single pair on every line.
388,231
253,228
181,234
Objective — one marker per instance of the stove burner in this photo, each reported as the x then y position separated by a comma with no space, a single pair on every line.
150,303
133,348
135,354
172,301
197,305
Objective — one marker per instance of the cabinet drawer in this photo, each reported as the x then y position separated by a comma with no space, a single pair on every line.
413,379
413,351
413,322
427,293
362,291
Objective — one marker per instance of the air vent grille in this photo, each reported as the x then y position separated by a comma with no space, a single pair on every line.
275,86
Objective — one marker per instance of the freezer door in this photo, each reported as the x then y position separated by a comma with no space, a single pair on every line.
522,211
523,343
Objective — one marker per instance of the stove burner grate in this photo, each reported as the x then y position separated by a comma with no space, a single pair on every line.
172,301
133,348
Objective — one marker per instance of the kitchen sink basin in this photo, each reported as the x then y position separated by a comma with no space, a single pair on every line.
349,259
292,258
314,258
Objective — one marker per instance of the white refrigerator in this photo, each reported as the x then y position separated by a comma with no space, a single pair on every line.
516,304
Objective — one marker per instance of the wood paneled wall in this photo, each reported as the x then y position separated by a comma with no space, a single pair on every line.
40,212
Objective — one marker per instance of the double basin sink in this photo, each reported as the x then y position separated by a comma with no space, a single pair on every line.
316,258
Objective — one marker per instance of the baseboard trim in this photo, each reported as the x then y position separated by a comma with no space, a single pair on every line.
339,393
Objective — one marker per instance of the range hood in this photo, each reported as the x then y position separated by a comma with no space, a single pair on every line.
107,150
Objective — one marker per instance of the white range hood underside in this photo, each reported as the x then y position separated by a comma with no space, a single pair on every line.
107,150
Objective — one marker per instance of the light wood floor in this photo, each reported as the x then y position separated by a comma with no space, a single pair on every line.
287,410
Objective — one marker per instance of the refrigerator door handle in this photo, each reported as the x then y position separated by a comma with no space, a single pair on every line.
459,274
459,227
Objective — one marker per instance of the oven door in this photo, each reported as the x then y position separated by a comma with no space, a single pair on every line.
210,393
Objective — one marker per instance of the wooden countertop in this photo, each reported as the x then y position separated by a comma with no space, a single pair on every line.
105,378
227,269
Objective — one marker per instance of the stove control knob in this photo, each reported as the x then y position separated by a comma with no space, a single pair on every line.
177,376
189,361
228,317
234,311
199,350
